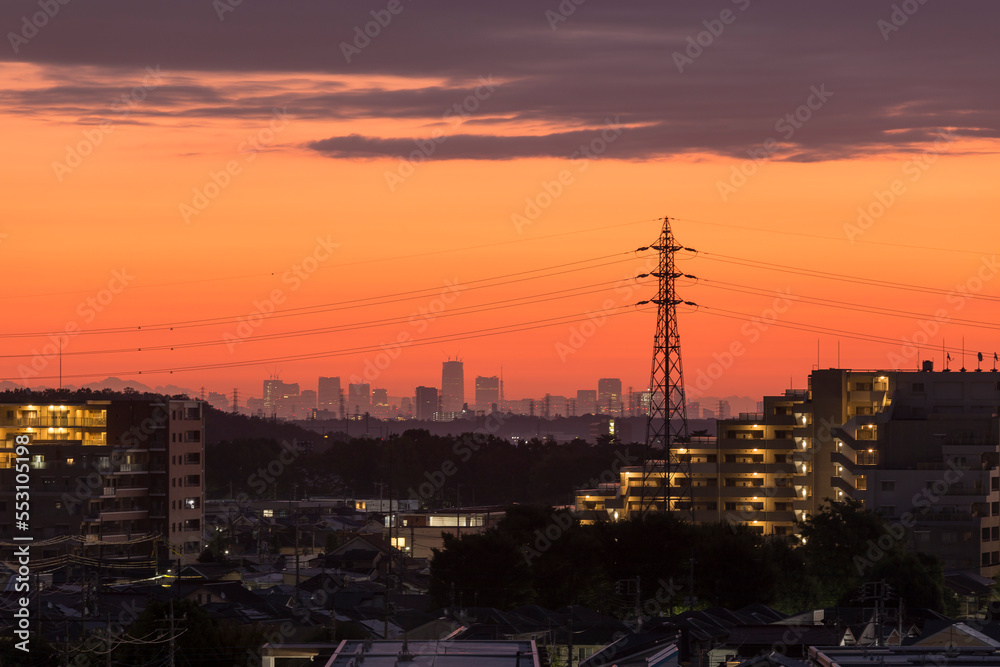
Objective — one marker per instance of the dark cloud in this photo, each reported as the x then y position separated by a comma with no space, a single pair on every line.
893,84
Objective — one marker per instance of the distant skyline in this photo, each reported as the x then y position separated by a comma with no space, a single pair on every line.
278,193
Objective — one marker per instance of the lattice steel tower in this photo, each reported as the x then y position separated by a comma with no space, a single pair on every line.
666,474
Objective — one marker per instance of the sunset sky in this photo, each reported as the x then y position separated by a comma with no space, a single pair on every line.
233,190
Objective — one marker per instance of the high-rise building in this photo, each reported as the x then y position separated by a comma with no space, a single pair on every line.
426,403
725,412
452,386
487,393
276,396
126,476
359,398
329,395
609,396
380,403
586,402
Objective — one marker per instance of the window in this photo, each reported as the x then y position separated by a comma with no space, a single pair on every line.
918,387
986,535
192,458
994,509
267,514
192,503
888,485
861,483
192,480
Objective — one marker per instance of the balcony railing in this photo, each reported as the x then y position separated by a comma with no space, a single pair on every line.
52,421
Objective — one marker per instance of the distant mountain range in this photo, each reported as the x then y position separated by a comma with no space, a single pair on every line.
114,384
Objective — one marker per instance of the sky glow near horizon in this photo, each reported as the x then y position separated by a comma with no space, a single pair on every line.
222,192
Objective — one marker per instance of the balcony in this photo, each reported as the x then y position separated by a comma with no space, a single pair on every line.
123,514
131,467
53,421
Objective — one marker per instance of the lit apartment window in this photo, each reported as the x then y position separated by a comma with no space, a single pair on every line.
192,503
268,514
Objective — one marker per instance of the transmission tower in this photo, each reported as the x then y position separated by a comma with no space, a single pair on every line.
666,475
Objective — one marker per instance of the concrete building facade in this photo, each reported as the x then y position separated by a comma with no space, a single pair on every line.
112,479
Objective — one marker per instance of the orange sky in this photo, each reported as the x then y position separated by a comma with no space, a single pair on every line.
121,212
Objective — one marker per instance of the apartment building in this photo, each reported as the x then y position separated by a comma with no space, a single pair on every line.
109,479
922,448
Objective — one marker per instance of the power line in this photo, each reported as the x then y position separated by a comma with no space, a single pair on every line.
468,335
871,282
830,238
871,338
341,305
356,263
843,305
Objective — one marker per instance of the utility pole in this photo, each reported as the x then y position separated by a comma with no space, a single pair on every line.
691,584
638,603
172,637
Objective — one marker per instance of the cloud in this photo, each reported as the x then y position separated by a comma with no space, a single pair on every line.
557,86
